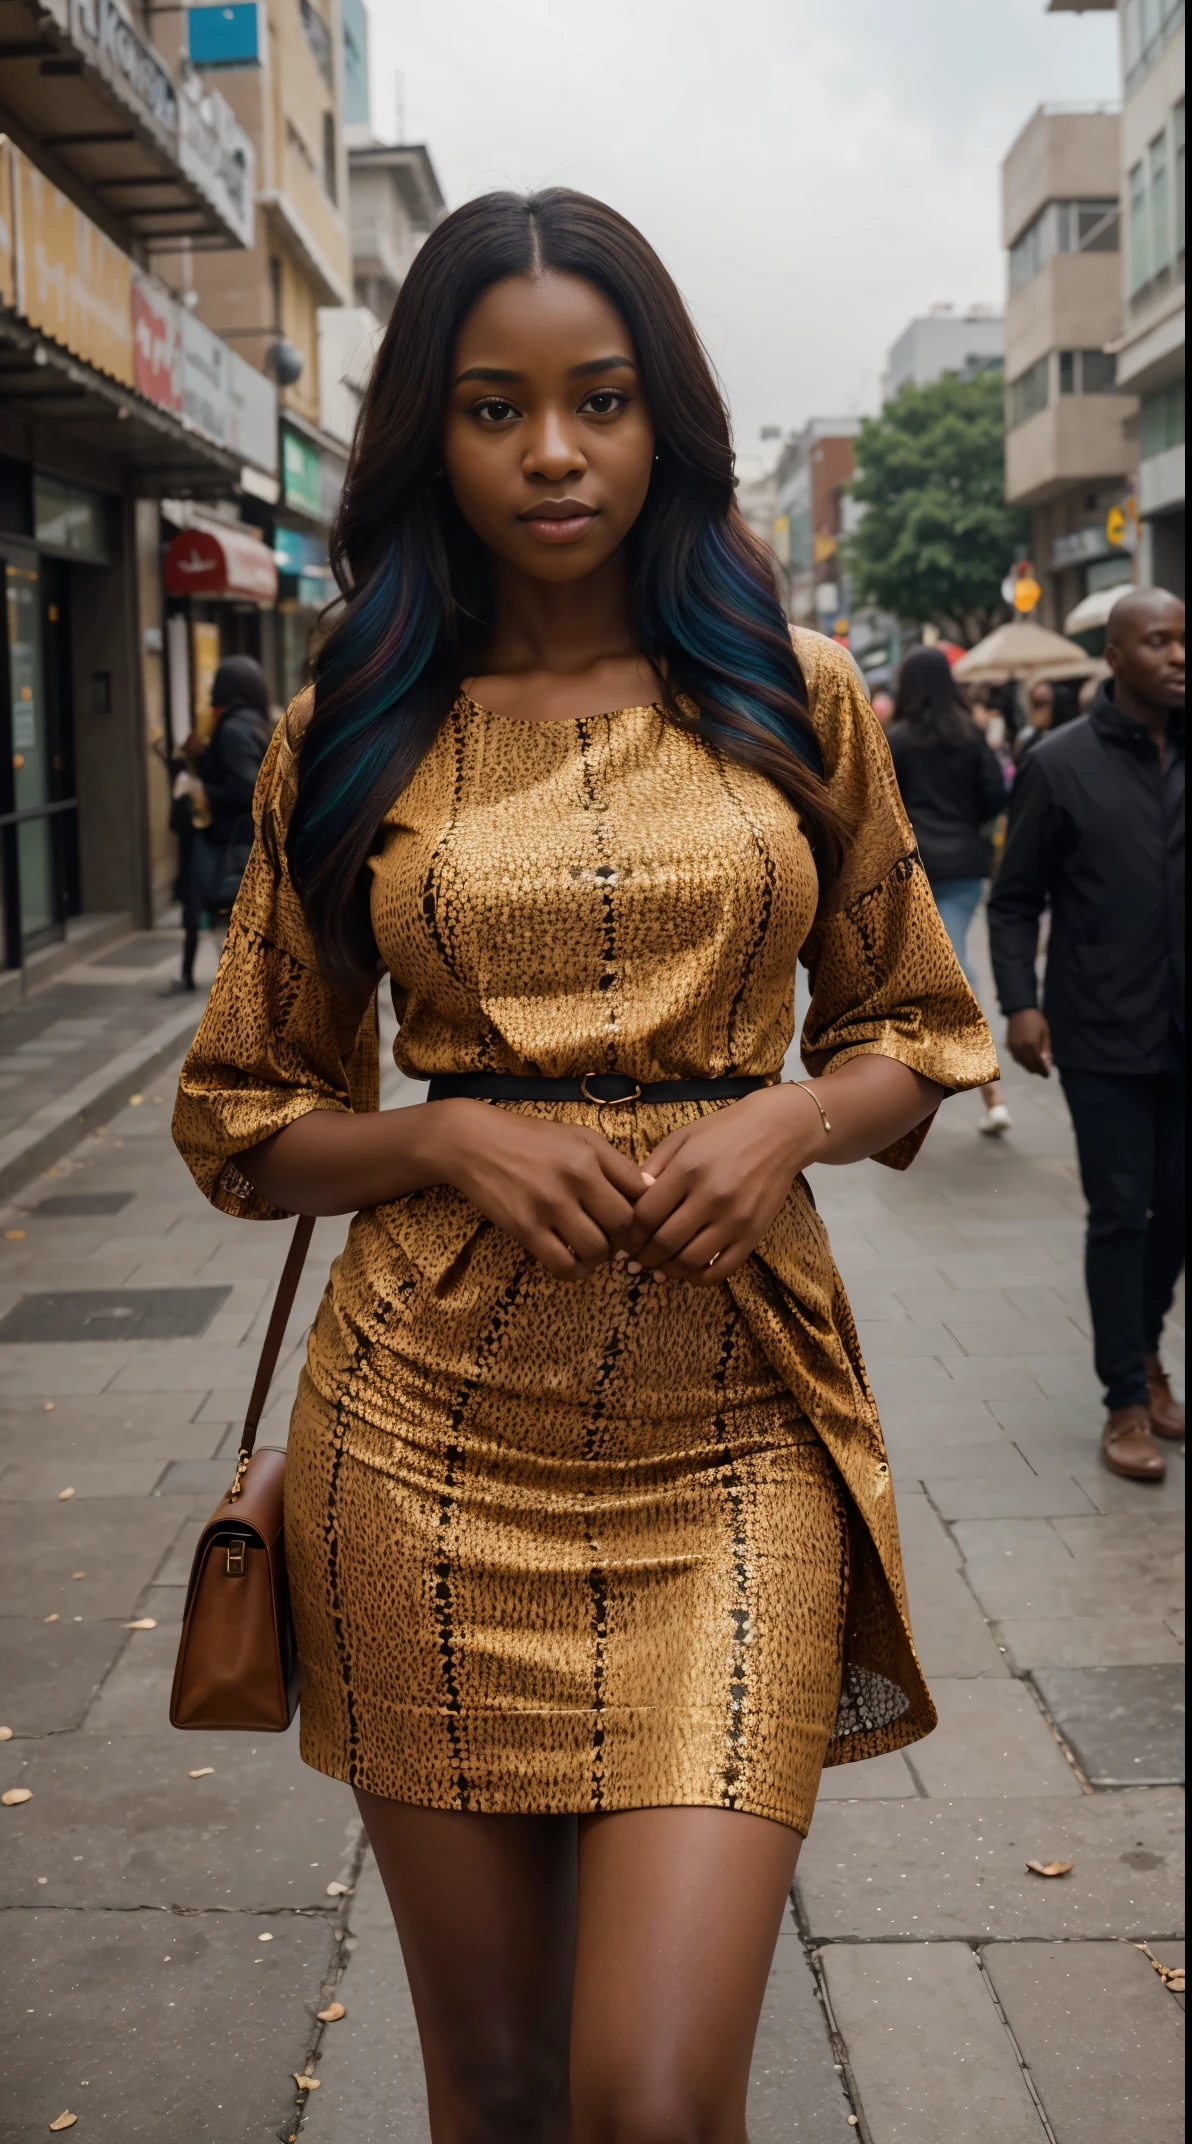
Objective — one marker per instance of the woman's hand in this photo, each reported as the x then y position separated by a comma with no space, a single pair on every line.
559,1189
719,1184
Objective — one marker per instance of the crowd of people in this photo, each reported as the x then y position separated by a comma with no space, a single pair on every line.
1094,845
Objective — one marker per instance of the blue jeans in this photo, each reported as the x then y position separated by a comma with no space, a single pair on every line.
956,899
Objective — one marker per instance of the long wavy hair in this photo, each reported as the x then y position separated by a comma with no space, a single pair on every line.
932,708
416,584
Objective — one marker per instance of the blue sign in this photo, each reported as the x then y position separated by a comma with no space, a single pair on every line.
225,36
296,551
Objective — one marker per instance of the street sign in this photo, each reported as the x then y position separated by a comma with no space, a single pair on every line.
1121,525
1026,593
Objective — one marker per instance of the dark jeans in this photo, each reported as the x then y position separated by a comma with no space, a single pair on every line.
1130,1138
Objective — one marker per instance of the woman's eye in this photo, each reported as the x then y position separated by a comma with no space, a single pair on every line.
494,410
604,401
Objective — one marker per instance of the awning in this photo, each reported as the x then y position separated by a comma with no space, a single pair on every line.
211,561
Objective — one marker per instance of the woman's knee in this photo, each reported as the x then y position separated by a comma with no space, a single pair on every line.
662,2113
516,2096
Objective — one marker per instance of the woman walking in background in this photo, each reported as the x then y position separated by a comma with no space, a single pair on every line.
952,787
212,812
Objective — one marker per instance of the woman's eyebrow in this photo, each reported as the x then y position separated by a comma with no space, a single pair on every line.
501,377
490,372
600,364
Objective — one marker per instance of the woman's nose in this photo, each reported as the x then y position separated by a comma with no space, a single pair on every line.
553,453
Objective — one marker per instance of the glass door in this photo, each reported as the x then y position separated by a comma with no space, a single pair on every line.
31,758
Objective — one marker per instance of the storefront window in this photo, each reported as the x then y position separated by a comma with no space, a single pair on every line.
67,517
30,748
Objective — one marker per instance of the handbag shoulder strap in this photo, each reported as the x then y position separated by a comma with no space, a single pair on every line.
283,1303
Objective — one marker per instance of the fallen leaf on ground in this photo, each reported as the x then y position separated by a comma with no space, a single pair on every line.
332,2014
306,2084
135,1100
64,1495
66,2120
47,1406
143,1622
5,1734
15,1795
339,1890
1051,1868
50,1618
204,1772
1172,1976
78,1574
14,1235
265,1937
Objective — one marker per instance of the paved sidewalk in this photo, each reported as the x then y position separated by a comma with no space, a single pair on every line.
167,1940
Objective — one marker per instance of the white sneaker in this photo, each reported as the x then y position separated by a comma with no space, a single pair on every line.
996,1121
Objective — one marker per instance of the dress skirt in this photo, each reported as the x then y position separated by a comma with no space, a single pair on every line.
559,1547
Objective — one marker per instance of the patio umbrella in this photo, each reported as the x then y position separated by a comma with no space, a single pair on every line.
1021,649
1093,611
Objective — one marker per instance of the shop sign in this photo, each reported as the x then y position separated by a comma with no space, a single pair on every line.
297,551
213,561
217,155
302,483
72,282
157,342
226,398
133,68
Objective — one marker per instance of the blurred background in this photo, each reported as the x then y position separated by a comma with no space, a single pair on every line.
936,253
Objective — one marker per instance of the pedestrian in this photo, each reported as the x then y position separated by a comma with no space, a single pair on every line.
883,706
226,768
1040,717
585,1502
1097,830
953,790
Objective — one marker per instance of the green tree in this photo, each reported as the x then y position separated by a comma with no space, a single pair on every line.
937,538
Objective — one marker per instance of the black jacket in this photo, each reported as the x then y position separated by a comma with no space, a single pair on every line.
950,792
1097,828
228,770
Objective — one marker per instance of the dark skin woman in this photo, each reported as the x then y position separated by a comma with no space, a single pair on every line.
594,1974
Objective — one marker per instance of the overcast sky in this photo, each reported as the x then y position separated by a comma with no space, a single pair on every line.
814,172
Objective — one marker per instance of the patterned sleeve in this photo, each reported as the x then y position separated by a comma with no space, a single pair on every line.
884,978
275,1040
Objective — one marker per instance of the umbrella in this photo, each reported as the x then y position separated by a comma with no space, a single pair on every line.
1021,649
1093,611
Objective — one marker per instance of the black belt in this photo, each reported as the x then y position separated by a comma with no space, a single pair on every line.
608,1089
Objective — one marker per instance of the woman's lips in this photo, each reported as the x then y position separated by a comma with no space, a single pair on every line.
559,524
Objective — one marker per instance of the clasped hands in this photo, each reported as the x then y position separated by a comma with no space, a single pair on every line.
696,1210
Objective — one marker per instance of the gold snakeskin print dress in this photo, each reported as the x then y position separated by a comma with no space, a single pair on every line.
560,1547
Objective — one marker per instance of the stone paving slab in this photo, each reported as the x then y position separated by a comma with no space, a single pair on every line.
932,2061
118,1544
117,1822
1023,1495
1086,1641
796,2089
1125,1724
49,1673
991,1739
874,1871
883,1778
94,2021
1101,2036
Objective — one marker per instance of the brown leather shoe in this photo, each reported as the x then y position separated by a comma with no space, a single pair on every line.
1165,1411
1128,1447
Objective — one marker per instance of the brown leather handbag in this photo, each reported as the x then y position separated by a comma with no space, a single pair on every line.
237,1662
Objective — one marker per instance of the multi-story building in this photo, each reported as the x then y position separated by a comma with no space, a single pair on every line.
114,156
941,341
1148,344
1071,442
814,514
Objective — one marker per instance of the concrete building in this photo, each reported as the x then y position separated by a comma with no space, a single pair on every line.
115,157
1148,344
396,201
944,340
1070,431
813,515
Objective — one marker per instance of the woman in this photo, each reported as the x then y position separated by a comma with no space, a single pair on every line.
227,767
588,1520
952,786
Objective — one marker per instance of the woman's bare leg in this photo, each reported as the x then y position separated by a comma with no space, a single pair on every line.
485,1910
679,1911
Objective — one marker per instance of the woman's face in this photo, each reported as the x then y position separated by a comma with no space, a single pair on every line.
548,442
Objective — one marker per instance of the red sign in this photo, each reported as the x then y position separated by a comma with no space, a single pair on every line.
220,562
157,343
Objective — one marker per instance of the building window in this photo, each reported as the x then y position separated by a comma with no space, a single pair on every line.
318,37
1028,394
330,184
1064,227
1146,27
1140,236
1087,372
1161,420
1160,204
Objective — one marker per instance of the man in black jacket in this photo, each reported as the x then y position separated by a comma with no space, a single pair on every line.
1097,829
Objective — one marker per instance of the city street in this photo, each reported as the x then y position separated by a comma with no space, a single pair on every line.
177,1911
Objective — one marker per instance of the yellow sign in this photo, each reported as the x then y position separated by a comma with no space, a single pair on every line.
204,654
72,282
1115,525
825,547
1026,593
8,242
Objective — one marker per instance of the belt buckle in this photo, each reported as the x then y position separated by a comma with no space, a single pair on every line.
596,1100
